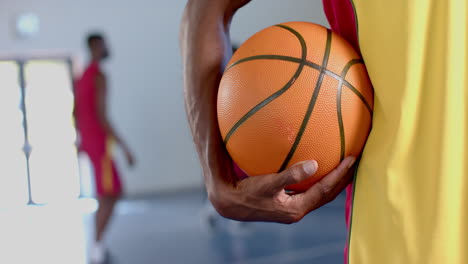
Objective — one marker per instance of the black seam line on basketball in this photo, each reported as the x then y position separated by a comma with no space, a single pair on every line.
309,64
359,94
277,93
274,57
312,102
350,86
338,105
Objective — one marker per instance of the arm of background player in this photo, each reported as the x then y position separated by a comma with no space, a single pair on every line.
74,112
101,86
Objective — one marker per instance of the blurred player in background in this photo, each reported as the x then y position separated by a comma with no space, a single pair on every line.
97,137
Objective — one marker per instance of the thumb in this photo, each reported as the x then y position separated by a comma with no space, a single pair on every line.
297,173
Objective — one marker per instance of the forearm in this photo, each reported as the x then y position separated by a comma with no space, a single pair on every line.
110,131
205,50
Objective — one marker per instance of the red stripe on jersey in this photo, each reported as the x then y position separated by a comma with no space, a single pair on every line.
342,19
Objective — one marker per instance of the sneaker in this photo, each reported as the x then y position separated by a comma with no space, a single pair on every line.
98,253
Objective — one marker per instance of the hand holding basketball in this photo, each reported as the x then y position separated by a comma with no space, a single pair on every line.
292,92
130,158
263,198
259,198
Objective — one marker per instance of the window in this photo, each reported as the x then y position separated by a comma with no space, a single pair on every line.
39,163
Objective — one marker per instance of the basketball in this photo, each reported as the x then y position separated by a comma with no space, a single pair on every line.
293,92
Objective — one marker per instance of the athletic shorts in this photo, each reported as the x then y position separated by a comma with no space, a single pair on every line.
105,172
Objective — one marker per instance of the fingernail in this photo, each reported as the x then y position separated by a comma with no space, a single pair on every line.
310,167
351,163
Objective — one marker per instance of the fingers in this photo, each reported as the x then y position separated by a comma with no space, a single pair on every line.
327,188
295,174
130,159
262,198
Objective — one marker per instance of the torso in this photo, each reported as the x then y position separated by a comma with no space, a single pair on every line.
411,188
91,130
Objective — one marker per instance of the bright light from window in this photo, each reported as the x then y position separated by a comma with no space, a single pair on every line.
49,104
13,173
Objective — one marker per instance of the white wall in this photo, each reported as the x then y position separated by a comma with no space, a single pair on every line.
260,14
145,71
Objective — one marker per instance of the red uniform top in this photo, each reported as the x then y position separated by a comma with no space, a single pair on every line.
89,125
94,139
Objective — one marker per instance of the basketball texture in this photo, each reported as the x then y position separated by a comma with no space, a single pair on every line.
294,92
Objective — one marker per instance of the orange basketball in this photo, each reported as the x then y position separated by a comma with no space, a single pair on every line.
294,92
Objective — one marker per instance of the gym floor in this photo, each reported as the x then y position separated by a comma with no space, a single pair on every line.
170,229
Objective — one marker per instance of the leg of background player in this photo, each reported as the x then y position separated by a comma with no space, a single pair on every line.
103,216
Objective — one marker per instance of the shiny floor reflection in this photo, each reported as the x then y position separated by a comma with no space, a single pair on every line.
168,229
